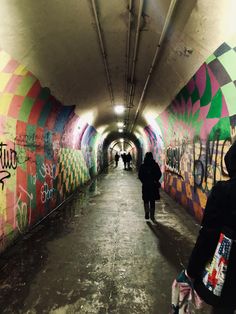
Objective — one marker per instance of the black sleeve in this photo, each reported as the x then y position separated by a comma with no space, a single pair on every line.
158,172
140,173
209,233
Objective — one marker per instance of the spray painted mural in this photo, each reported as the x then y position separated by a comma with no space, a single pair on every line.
197,129
41,160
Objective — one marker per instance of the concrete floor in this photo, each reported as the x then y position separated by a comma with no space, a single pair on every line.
97,254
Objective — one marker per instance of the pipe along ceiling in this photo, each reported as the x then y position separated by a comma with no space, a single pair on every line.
80,81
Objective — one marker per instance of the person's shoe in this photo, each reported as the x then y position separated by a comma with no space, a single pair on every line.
146,215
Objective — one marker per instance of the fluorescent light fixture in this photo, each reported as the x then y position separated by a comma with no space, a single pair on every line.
119,109
120,124
120,130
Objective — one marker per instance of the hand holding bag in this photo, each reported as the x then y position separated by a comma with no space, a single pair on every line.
183,296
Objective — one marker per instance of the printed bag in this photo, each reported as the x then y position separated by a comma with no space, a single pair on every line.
215,271
184,299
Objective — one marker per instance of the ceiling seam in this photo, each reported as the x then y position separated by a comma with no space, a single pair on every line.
104,54
135,52
127,56
161,39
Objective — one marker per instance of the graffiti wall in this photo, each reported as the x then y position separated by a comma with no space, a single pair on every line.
197,129
42,154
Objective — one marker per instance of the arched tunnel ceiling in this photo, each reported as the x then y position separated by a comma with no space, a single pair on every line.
59,43
115,137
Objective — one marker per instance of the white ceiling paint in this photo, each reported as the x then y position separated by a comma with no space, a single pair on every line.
58,42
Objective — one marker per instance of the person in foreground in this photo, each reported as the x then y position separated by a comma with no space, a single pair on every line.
219,215
150,174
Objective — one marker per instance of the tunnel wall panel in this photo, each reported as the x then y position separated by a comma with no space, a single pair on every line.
197,128
43,155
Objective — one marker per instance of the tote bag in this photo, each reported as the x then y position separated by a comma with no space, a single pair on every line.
184,299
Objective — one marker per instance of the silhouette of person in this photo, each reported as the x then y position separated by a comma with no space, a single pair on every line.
219,215
124,158
117,157
128,160
150,174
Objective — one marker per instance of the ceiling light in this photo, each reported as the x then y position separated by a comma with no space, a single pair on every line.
119,109
120,124
120,130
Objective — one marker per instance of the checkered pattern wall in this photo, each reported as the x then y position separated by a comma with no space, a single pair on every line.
72,171
41,161
196,130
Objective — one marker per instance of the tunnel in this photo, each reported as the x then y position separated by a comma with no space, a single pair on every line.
83,80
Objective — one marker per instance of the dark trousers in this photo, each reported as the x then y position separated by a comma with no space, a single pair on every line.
149,207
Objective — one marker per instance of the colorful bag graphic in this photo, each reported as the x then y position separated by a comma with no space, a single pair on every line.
215,271
184,299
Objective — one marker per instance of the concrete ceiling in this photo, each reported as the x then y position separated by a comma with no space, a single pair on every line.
79,49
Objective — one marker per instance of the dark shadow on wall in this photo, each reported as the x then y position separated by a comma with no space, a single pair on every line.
174,246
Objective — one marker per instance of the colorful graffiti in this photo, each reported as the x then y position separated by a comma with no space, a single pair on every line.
41,160
197,129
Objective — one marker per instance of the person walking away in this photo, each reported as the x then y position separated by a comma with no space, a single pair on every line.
219,215
128,159
124,158
149,174
117,157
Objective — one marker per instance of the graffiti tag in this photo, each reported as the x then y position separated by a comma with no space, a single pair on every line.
208,161
46,193
23,210
8,160
48,170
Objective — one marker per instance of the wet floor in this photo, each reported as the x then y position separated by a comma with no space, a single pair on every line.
97,254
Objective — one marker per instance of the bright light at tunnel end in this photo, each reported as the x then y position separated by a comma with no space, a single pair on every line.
120,124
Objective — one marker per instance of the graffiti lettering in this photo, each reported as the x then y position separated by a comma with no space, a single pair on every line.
28,139
225,147
8,157
8,160
206,162
46,193
198,169
22,210
48,170
173,158
4,175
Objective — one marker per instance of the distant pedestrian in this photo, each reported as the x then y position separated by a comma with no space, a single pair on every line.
117,157
124,158
150,174
128,160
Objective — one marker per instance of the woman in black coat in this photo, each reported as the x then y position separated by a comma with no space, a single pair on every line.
220,213
150,174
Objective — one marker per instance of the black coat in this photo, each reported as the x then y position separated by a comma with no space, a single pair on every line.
150,174
220,212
